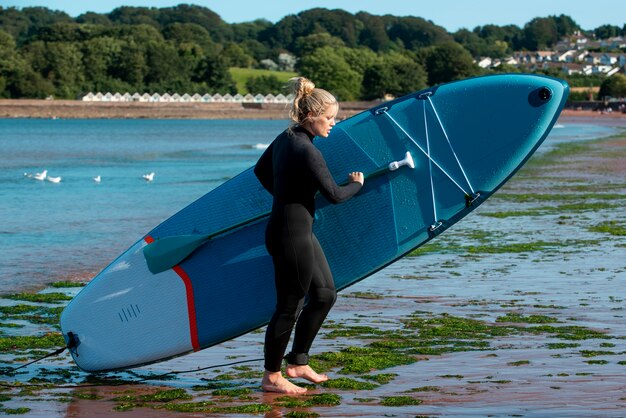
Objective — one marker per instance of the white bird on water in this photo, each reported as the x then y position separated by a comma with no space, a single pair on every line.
148,177
41,176
54,179
97,179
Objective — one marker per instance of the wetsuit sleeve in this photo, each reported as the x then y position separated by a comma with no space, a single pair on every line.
264,169
325,182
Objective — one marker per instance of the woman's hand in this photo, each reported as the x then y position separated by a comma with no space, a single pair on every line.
356,176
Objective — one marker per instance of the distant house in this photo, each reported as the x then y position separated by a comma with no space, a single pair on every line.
269,64
286,61
485,62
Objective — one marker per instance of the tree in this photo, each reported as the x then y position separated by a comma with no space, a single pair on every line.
235,56
264,84
415,32
327,69
607,31
540,33
305,45
393,74
213,72
189,32
374,32
614,86
565,25
448,62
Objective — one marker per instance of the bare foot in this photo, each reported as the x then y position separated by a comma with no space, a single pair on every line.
305,372
275,382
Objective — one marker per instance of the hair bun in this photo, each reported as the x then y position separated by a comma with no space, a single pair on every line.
302,86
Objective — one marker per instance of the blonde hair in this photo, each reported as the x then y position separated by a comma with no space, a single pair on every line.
308,99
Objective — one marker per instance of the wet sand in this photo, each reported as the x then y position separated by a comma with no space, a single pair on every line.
518,310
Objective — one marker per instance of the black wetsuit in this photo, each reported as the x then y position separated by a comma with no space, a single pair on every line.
292,169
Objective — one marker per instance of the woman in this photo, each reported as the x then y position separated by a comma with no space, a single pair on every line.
293,170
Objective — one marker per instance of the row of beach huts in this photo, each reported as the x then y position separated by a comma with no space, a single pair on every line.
186,98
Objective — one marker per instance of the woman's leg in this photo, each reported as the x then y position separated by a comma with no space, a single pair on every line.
322,297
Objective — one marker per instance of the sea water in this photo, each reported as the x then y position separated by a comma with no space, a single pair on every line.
72,229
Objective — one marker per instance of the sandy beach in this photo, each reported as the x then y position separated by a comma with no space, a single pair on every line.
75,109
516,311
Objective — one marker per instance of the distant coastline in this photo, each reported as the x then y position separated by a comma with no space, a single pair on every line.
75,109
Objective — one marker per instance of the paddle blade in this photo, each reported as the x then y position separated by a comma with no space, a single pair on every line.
166,252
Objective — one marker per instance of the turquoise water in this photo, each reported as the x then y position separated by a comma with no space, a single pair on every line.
73,229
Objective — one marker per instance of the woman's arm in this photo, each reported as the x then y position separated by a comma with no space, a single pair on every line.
325,182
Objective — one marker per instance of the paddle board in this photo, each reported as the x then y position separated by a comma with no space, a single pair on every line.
466,139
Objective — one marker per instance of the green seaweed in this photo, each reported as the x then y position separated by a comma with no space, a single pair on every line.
233,392
595,353
359,360
15,411
610,227
301,414
399,401
345,383
530,319
13,343
323,399
558,346
52,297
66,284
201,406
518,363
381,378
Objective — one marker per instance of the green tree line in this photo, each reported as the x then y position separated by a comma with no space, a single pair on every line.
188,48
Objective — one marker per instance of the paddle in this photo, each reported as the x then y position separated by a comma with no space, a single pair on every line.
165,253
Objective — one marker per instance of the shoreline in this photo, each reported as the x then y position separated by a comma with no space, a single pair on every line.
75,109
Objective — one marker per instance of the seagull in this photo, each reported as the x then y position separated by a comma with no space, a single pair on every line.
54,179
97,179
148,177
41,176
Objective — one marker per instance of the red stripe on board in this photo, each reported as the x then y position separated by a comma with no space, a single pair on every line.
191,307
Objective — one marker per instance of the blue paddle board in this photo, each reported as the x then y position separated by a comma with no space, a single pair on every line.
466,138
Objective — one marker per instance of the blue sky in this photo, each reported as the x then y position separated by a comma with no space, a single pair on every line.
451,14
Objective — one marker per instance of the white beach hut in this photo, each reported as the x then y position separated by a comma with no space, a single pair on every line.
227,97
207,98
238,98
175,98
248,98
88,97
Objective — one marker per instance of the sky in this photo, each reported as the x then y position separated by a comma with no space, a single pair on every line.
451,14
